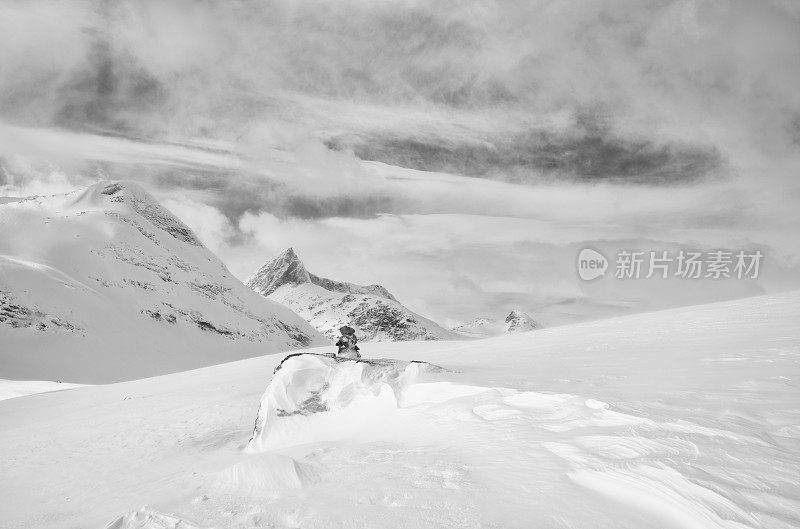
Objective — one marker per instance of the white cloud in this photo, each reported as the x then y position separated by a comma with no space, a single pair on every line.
212,227
463,266
21,177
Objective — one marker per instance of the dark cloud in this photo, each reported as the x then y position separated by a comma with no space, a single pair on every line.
689,74
235,193
585,152
111,92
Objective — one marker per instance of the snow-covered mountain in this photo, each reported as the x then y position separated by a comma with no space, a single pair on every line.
480,328
519,321
516,321
327,305
104,284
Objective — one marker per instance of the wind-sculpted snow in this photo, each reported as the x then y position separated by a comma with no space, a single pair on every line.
562,444
314,398
147,518
264,475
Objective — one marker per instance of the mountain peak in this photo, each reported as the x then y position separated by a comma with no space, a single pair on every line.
114,195
520,321
286,268
327,304
516,321
102,191
110,273
289,255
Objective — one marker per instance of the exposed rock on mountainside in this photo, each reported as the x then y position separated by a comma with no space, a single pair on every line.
327,304
288,269
516,321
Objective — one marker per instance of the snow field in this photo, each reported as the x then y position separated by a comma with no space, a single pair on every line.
677,419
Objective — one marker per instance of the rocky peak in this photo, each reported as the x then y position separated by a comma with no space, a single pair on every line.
286,268
519,321
516,321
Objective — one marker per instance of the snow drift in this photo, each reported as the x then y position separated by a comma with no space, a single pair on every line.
323,412
315,398
148,518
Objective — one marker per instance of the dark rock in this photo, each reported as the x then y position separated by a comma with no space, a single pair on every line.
287,268
112,189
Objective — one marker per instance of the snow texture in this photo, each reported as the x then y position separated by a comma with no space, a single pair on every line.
676,419
147,518
348,392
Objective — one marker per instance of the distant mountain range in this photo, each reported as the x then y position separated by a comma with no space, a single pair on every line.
104,284
327,304
516,321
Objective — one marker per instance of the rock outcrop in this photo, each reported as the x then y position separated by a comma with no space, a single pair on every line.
287,269
516,321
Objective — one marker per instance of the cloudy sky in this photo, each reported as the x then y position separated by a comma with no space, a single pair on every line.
460,153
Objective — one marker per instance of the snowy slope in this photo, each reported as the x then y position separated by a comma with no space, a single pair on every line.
10,389
327,305
104,284
516,321
685,418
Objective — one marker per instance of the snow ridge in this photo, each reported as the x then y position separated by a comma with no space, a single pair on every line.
287,269
148,518
157,215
